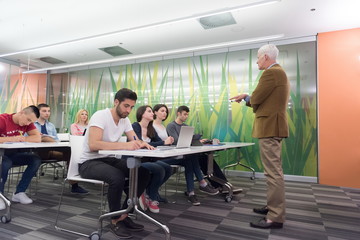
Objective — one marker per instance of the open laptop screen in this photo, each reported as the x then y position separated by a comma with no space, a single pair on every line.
185,137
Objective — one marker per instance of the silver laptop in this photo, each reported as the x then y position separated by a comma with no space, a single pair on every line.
184,140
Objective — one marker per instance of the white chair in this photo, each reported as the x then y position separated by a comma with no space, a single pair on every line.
123,139
76,143
64,137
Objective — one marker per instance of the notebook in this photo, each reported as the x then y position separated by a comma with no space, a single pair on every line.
184,140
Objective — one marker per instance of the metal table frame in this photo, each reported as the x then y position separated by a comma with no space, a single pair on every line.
134,162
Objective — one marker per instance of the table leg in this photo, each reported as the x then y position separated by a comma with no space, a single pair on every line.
133,164
239,163
7,216
210,172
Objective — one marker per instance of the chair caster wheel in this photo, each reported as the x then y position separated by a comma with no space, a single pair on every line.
252,178
94,236
42,174
4,219
228,199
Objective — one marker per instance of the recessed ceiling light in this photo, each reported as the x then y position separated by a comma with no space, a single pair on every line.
51,60
219,20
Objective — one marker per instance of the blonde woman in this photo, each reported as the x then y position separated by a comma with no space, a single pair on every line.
81,122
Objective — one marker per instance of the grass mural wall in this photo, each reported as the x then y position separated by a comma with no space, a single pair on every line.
205,83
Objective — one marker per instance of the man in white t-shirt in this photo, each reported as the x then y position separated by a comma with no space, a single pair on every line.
104,132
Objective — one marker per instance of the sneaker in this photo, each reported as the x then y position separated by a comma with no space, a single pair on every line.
193,200
22,198
2,204
131,226
120,230
209,190
144,202
78,190
154,206
225,190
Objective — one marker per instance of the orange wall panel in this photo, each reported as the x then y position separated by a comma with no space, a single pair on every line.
339,107
30,90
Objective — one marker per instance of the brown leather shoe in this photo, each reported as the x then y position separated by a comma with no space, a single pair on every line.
263,224
263,210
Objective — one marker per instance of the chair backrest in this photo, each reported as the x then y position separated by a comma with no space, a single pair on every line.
64,137
76,144
123,139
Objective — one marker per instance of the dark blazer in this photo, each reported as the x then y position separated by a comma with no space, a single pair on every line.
269,102
155,141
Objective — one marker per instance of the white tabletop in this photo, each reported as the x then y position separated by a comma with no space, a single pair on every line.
18,145
175,152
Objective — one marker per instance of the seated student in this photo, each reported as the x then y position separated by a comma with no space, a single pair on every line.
104,132
80,124
160,171
49,134
12,128
190,162
173,129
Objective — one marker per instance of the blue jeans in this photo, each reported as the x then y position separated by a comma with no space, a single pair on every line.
19,159
160,173
191,165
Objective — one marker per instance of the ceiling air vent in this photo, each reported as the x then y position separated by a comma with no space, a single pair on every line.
51,60
115,51
219,20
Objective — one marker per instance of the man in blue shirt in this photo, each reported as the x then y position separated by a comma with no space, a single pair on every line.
49,134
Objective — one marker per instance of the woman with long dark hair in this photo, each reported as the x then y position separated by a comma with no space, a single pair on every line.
160,171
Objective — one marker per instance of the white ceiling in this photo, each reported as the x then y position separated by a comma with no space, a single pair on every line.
32,24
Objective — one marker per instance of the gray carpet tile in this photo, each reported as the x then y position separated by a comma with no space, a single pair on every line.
314,211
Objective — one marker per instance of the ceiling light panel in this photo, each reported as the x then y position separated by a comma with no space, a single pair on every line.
115,51
51,60
215,21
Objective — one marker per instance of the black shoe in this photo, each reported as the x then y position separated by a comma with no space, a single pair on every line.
263,210
193,200
120,230
263,224
78,190
131,226
160,199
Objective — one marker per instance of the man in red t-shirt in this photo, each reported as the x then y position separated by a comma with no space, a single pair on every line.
12,129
